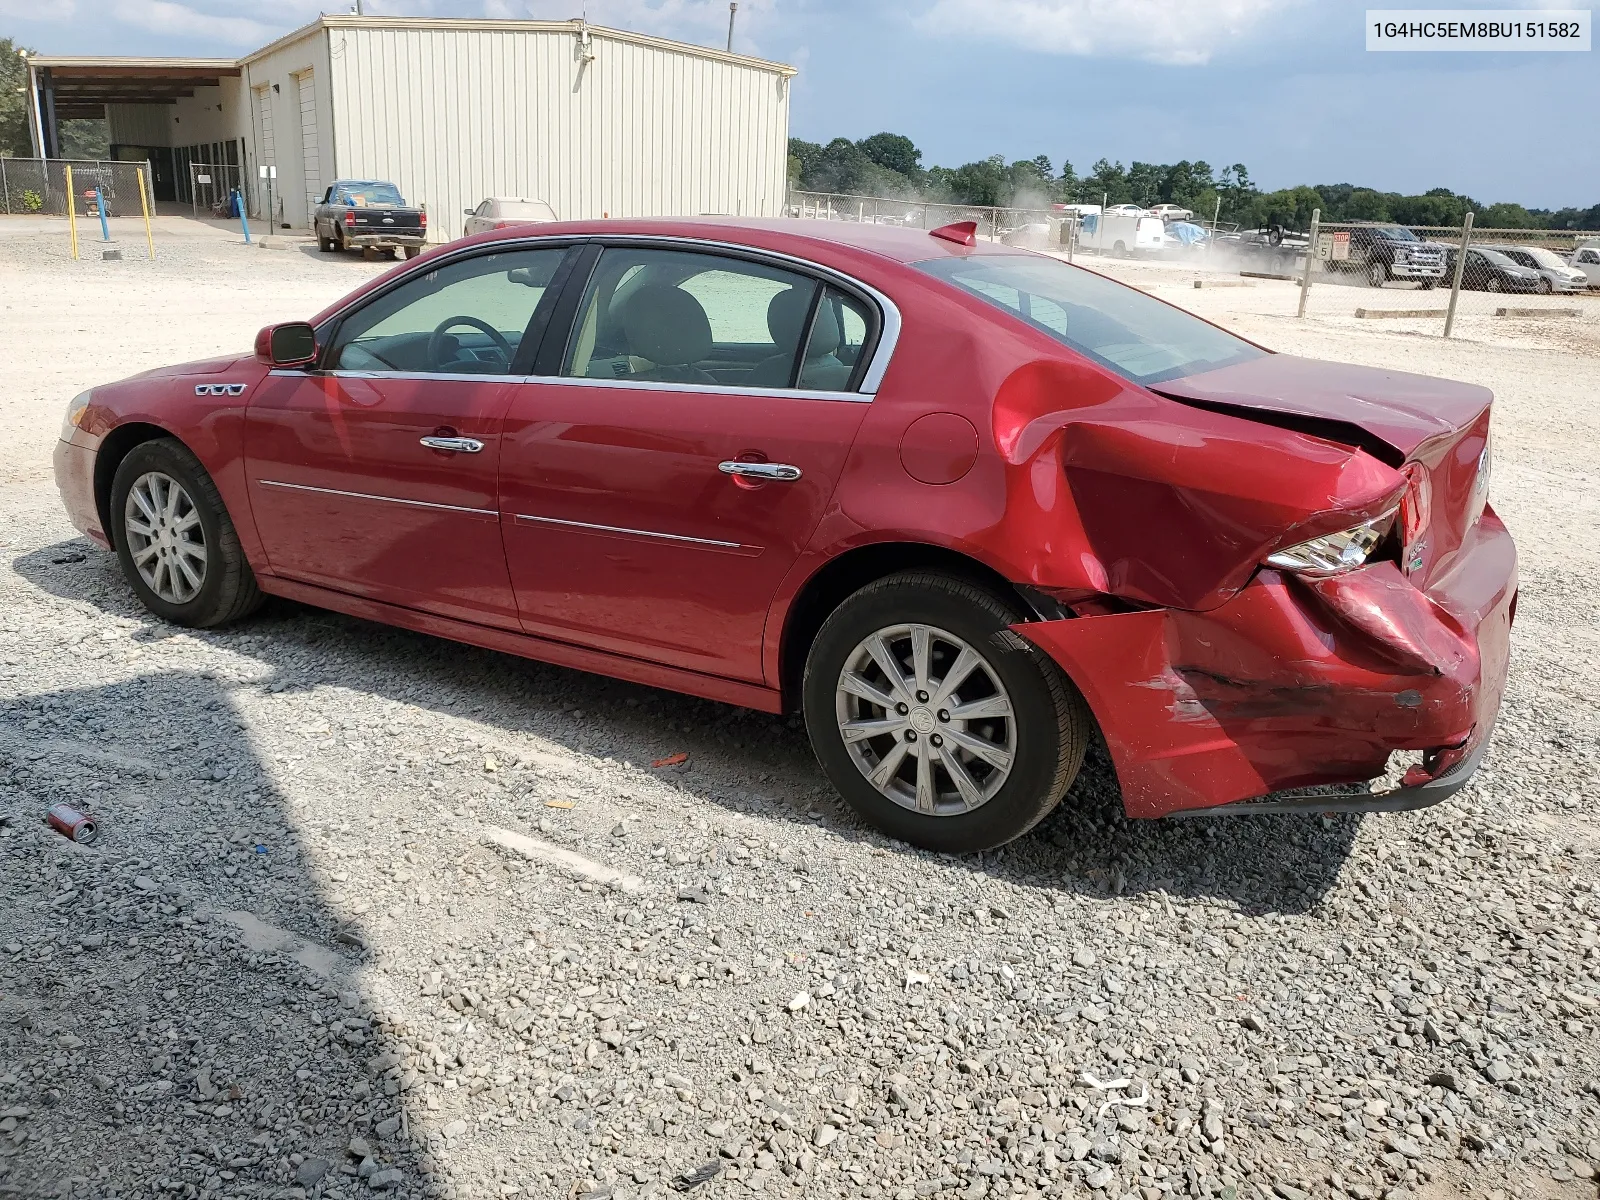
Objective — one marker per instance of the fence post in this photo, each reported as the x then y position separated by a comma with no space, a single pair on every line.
100,203
238,198
144,206
1311,257
1455,282
5,187
72,214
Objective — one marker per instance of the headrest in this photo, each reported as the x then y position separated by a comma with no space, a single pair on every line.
786,317
667,326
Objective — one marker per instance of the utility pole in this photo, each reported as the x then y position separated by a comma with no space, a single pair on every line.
733,11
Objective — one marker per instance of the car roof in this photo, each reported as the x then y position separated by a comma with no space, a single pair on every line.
792,234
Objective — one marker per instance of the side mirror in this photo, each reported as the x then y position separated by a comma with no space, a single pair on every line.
469,212
291,344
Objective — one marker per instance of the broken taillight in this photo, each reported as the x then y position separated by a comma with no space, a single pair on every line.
1334,553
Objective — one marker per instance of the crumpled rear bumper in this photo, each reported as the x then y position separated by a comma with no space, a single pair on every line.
1296,683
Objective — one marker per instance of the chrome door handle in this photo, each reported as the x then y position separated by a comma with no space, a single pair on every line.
781,472
459,444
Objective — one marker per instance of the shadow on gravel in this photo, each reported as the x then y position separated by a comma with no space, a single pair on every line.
750,761
178,1007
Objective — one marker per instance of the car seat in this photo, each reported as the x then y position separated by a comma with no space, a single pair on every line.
667,328
786,317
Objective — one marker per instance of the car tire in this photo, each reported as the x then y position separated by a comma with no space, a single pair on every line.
192,529
1029,753
1120,250
1429,284
1493,285
1377,275
413,251
1545,286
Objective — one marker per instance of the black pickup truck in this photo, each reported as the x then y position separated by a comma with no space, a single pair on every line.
370,214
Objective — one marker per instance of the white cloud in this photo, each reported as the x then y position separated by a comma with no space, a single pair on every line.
1166,31
166,17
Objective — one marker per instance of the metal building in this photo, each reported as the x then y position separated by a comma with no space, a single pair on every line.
595,121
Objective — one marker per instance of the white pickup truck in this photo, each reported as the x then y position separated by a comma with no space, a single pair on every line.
1587,259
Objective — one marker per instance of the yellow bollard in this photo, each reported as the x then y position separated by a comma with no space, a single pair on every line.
72,214
144,203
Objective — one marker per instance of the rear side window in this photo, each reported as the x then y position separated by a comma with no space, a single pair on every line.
679,316
1133,334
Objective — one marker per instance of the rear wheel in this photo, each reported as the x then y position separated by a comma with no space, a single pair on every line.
936,722
177,545
413,251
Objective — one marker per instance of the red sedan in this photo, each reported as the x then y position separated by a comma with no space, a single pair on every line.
965,507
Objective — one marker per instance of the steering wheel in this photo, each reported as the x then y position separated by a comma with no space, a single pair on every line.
436,340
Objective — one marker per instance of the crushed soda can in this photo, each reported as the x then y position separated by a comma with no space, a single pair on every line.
72,824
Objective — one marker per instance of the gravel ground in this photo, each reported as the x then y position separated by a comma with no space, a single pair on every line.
373,914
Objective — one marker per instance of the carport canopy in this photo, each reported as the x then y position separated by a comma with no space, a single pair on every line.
82,87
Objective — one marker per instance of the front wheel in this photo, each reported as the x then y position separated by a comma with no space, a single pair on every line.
1493,285
936,722
1545,287
1377,275
175,540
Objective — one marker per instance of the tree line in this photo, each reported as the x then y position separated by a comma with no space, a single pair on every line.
890,165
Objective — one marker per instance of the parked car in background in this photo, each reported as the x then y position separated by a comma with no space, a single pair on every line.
1123,234
502,212
1587,260
1170,212
1487,270
369,214
1554,275
1383,253
1125,210
736,458
1273,249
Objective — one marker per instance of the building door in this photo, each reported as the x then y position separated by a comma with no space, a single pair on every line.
270,202
311,159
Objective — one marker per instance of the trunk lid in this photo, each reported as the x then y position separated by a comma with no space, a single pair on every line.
1434,430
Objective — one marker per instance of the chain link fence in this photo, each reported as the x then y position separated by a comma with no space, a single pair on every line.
38,187
1456,281
1035,228
211,189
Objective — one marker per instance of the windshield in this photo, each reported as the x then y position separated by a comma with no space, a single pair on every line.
1542,256
1396,233
363,195
1498,259
1133,334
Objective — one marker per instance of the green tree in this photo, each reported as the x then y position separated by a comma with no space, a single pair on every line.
85,137
1108,180
1144,183
1186,184
1365,204
1289,207
14,119
1506,216
893,152
985,182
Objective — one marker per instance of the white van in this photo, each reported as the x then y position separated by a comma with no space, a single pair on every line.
1122,235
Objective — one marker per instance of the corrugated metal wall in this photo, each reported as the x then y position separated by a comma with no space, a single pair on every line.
140,124
454,115
277,72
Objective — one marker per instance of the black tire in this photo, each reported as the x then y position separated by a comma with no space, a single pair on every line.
1545,286
1377,275
1493,285
1428,284
1052,722
228,589
413,251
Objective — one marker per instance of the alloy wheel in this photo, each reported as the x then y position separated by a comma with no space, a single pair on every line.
926,719
165,538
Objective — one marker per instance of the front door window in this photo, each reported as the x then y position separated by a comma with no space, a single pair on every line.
465,317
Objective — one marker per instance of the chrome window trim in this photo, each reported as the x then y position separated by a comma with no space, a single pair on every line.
303,487
888,311
713,543
653,385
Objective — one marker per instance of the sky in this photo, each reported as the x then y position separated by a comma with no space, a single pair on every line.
1286,87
